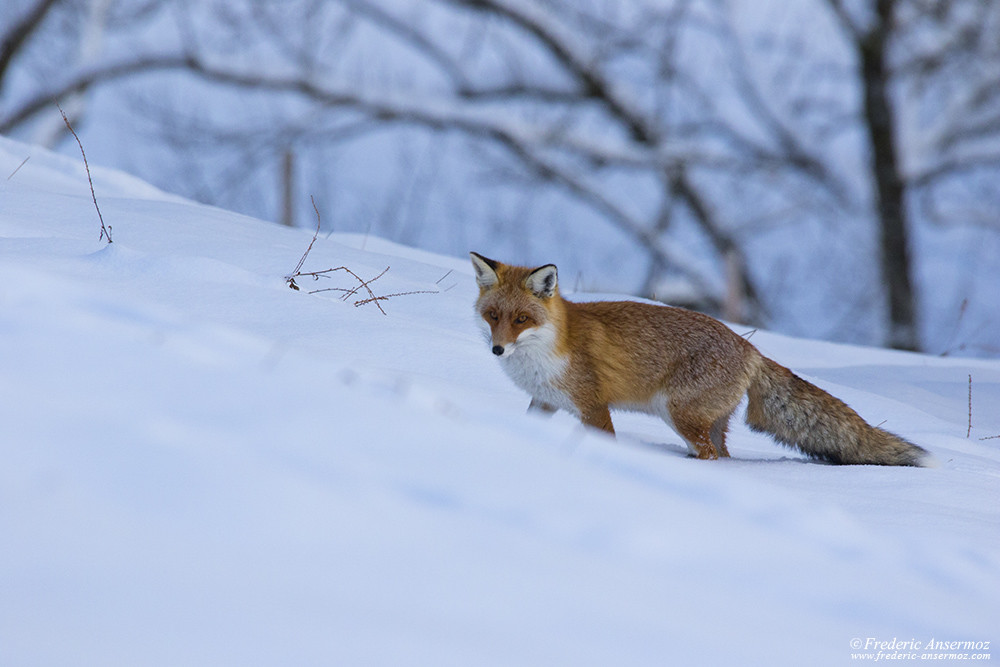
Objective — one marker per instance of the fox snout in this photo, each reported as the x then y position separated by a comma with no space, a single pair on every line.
503,334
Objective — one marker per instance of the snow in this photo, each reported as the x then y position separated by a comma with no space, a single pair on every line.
201,466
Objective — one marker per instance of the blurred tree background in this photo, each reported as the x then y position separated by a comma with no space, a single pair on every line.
828,168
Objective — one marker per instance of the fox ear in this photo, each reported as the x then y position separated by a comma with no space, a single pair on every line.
486,270
543,281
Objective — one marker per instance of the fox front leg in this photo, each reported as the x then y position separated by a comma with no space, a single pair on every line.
541,407
599,417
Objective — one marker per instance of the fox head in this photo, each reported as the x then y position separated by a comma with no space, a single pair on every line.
515,302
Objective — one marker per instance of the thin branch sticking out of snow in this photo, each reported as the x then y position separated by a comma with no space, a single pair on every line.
348,293
105,231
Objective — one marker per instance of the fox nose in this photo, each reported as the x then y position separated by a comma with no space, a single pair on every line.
498,350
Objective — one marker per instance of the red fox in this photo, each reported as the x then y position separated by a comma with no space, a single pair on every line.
685,367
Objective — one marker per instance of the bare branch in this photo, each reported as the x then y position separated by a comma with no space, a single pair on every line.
792,154
952,166
723,243
105,231
84,80
531,19
290,278
25,160
18,34
386,297
406,32
844,17
347,292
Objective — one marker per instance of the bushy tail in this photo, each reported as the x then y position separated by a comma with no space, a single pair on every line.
802,415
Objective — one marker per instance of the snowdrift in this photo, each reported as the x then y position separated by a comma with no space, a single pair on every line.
201,466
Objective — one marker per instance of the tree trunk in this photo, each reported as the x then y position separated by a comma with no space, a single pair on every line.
890,194
288,188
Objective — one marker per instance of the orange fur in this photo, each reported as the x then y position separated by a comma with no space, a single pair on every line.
686,367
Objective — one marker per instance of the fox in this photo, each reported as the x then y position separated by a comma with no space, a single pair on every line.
687,368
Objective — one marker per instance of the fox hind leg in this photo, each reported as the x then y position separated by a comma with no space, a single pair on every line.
697,435
705,438
717,434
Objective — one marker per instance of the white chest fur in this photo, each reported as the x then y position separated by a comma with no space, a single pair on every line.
532,363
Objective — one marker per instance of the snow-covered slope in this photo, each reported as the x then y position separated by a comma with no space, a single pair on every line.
200,466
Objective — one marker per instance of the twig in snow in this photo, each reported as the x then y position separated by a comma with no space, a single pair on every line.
347,293
365,284
290,279
441,279
386,297
954,334
969,431
105,231
18,167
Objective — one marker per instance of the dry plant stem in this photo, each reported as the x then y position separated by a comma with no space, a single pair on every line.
105,231
362,283
348,293
316,275
290,279
969,431
386,297
18,167
441,279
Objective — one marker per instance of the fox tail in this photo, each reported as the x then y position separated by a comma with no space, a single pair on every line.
801,415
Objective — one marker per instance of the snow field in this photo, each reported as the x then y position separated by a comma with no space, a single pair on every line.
201,466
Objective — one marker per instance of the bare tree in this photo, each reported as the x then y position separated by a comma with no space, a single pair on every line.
572,127
671,124
872,43
904,49
63,39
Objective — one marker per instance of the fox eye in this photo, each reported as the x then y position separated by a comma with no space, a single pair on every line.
521,319
492,314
